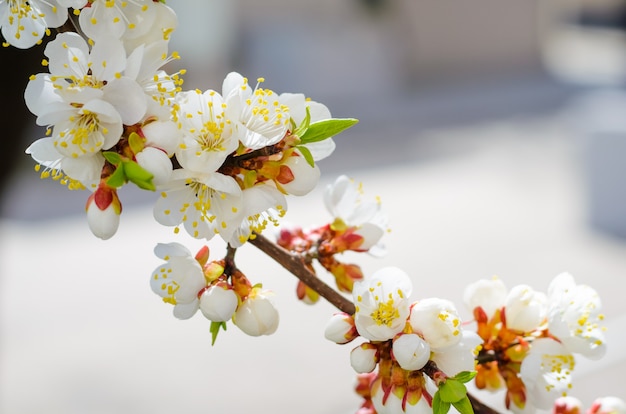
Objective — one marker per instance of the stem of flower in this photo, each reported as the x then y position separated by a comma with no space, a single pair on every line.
295,265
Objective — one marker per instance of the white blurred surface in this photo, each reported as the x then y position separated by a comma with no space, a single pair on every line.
83,333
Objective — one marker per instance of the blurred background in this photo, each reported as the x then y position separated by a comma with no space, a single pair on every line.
494,132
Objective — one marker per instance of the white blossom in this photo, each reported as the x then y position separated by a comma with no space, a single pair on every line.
24,23
490,295
437,321
546,372
525,308
117,18
574,316
343,201
381,302
179,280
460,356
258,117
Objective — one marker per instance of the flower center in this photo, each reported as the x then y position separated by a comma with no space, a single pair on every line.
386,313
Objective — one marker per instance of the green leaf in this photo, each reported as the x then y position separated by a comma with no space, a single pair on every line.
306,154
452,390
321,130
465,376
304,125
136,143
440,407
112,157
464,406
215,329
118,178
138,175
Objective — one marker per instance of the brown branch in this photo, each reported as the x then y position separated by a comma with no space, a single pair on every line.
479,407
296,266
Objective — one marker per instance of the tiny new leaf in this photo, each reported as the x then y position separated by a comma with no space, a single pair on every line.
465,376
138,175
306,154
304,125
112,157
215,329
118,178
136,143
464,406
440,407
452,391
321,130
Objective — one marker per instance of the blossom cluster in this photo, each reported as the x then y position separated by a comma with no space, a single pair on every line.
530,338
419,347
223,162
357,225
219,290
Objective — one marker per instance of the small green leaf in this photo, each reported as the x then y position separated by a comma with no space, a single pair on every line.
112,157
452,391
465,376
215,329
306,154
136,143
304,125
138,175
440,407
464,406
117,179
321,130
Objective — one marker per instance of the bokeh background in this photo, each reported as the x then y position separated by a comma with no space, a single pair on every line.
494,132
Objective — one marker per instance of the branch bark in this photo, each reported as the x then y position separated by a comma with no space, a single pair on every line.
295,265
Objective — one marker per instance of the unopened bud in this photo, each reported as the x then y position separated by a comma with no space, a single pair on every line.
364,358
341,328
219,302
103,212
257,315
607,405
411,351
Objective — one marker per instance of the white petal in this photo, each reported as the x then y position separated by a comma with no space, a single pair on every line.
128,97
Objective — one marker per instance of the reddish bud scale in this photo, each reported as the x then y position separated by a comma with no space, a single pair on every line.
203,255
285,175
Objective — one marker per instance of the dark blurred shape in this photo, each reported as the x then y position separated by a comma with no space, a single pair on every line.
374,6
16,67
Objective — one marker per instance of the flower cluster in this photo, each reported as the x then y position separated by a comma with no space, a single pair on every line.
224,162
217,288
358,225
530,338
604,405
420,348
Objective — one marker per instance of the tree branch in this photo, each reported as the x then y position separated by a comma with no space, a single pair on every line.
296,266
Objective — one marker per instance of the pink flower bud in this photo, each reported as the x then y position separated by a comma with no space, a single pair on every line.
340,328
567,405
607,405
103,212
